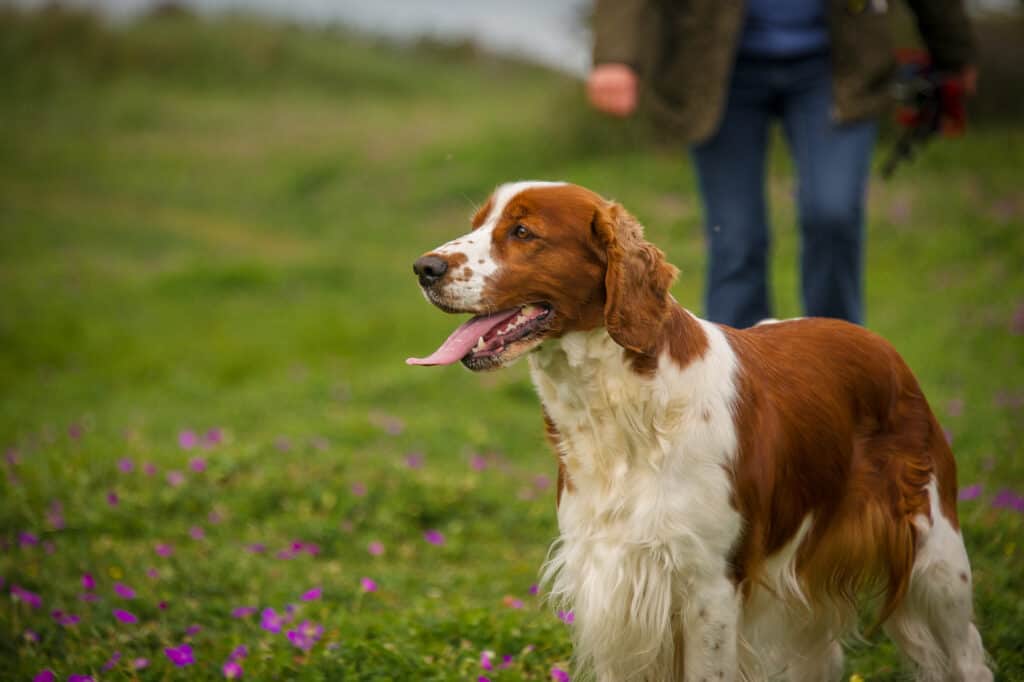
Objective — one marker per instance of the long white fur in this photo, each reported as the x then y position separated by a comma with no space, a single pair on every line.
649,524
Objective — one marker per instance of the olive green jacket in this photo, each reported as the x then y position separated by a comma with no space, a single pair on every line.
683,51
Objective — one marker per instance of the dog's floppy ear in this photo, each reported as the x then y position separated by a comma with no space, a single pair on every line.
636,281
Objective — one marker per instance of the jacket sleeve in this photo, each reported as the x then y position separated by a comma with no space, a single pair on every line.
617,29
946,31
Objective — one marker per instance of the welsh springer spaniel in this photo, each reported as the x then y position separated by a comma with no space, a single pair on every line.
725,497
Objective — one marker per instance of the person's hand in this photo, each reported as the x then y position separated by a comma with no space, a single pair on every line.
612,88
969,78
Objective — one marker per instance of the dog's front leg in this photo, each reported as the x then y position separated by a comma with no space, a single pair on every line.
710,638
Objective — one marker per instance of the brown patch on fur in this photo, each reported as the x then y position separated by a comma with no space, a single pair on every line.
554,439
481,214
832,423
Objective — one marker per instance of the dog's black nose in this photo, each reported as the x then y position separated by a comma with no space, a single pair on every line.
429,269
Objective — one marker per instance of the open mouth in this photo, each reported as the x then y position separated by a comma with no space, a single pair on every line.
485,340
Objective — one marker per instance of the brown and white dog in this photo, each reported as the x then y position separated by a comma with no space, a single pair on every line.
725,496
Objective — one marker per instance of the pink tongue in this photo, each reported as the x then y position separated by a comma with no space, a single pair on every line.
463,339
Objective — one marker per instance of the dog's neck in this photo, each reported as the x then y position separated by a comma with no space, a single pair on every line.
612,407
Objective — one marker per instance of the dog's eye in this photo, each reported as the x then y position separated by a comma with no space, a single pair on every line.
521,232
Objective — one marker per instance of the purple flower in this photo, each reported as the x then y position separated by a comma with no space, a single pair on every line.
140,663
478,462
238,653
89,597
197,532
55,515
534,588
215,517
213,436
113,661
126,465
312,595
559,675
244,611
434,537
45,676
306,635
483,678
512,602
971,492
32,635
112,499
187,440
125,616
566,617
80,678
65,619
150,470
506,661
49,547
368,585
358,489
124,591
232,670
193,630
27,539
152,573
541,482
164,549
180,656
75,431
283,444
31,598
88,582
256,548
414,460
955,407
485,660
197,464
1007,499
375,548
270,620
175,478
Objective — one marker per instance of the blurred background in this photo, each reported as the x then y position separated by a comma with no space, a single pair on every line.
215,462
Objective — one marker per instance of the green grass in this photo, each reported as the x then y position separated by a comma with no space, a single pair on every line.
211,225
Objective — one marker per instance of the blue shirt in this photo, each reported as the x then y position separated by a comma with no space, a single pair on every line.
784,28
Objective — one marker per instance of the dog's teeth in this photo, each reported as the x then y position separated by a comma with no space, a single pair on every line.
479,344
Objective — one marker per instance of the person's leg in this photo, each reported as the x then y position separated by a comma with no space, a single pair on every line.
832,163
730,170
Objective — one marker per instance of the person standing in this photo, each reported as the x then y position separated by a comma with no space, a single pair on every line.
717,74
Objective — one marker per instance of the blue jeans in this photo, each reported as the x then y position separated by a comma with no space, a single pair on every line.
832,165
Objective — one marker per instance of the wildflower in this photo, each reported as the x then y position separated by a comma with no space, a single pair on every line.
559,675
164,549
478,462
75,431
152,573
375,548
193,630
368,585
534,588
125,465
312,595
140,663
414,460
358,489
125,616
306,636
123,591
27,539
31,635
55,515
512,602
65,619
149,469
256,548
109,665
31,598
232,670
215,517
485,660
244,611
180,656
270,620
566,617
197,464
971,492
213,437
175,478
856,678
506,661
239,652
80,678
197,532
45,676
541,482
434,537
88,582
187,440
112,499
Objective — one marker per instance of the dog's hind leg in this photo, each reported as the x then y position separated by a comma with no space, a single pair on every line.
933,623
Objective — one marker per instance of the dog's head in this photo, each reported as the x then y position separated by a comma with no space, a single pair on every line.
544,259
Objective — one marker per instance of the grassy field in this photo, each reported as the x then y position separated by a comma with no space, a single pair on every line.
206,233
